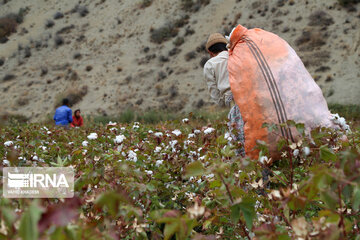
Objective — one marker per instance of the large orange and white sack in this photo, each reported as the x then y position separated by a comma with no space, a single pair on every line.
270,84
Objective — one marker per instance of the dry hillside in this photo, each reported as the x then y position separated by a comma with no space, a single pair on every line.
110,55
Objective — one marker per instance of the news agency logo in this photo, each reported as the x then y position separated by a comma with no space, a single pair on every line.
38,182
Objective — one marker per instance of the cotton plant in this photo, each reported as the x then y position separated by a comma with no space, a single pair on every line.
340,121
176,132
92,136
209,130
8,143
119,139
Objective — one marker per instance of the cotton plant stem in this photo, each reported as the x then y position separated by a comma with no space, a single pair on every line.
276,175
227,188
232,201
341,223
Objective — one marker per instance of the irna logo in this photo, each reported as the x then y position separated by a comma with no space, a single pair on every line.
38,182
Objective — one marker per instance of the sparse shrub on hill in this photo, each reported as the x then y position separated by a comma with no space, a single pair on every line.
58,40
163,33
49,23
8,77
9,23
82,10
193,5
169,30
190,55
58,15
7,26
74,95
18,17
347,2
146,3
178,41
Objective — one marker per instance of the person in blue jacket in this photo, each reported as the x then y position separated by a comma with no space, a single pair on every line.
63,114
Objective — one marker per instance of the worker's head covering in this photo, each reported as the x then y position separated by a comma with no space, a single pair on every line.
215,38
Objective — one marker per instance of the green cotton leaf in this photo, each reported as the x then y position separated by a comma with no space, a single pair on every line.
300,127
227,152
112,200
170,229
327,154
246,207
235,213
195,169
29,223
221,140
9,215
215,184
281,143
284,236
271,127
329,198
356,201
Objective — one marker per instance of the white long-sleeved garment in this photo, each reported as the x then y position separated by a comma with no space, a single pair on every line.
217,78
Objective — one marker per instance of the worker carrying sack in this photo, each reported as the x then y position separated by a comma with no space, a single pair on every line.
270,84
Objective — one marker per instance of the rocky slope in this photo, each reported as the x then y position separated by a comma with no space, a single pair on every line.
110,55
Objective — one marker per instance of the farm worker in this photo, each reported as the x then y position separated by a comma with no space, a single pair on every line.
217,79
63,114
77,119
270,84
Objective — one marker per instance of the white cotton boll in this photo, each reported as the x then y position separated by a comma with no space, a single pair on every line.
35,158
176,132
119,139
197,131
185,120
296,152
8,143
150,131
85,143
306,151
209,130
157,149
112,123
113,129
191,135
45,128
211,175
227,135
6,162
132,156
173,143
158,134
199,181
48,132
149,172
92,136
263,159
158,163
122,129
135,127
71,143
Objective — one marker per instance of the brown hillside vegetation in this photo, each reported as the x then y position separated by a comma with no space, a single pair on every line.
149,54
